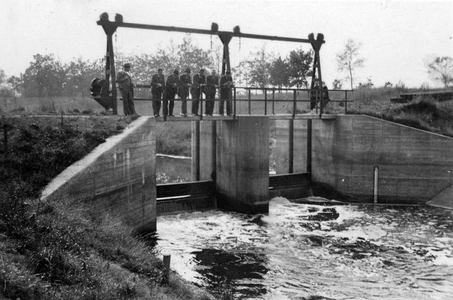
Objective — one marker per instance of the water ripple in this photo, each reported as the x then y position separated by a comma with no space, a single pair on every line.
301,251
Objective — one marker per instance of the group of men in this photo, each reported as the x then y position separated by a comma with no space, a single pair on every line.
164,91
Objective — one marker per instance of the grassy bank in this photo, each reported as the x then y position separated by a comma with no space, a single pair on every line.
61,250
424,112
64,251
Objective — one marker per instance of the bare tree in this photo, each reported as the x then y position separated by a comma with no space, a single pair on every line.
348,60
440,69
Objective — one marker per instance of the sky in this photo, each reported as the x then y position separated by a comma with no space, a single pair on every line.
394,36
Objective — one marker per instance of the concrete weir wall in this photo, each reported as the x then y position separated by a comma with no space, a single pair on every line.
243,164
118,177
414,165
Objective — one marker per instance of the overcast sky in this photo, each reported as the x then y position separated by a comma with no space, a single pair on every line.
395,35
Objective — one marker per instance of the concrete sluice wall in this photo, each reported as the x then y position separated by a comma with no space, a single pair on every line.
117,177
414,166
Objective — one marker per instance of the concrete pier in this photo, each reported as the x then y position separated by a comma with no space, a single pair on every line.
242,169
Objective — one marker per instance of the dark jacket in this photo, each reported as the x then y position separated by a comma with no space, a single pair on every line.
171,87
212,84
226,83
155,81
197,80
185,82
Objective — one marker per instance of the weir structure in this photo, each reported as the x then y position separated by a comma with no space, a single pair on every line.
356,156
231,150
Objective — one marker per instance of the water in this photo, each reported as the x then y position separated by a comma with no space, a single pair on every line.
301,251
173,169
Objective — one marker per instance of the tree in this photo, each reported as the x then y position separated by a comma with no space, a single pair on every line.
348,60
279,72
241,74
5,88
44,77
216,56
2,76
440,69
258,68
174,56
368,84
337,84
300,63
16,84
79,74
192,56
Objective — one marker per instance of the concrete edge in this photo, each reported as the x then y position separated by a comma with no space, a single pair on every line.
402,125
443,200
80,165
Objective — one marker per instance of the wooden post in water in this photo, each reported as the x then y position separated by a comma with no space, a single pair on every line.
166,277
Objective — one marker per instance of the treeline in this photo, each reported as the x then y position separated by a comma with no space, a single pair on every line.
48,77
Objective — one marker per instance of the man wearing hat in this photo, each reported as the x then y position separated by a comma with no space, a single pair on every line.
171,89
157,86
226,83
199,82
126,88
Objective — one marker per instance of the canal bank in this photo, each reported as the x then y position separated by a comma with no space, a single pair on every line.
413,166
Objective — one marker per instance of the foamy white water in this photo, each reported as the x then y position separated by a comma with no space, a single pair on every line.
298,251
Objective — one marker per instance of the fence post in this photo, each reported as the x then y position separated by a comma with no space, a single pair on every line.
201,102
234,103
250,103
166,278
345,102
273,101
376,184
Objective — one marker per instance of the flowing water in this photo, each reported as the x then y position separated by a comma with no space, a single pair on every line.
304,251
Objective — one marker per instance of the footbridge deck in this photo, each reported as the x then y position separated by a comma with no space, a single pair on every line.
307,116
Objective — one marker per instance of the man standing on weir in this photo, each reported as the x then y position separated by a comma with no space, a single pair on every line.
157,85
199,82
185,82
226,83
126,88
171,89
211,88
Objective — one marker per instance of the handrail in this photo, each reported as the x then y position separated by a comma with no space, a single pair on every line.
141,85
247,97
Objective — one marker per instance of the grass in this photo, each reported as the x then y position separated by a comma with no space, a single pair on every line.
62,250
424,112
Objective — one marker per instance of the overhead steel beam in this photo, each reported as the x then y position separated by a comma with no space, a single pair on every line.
204,31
